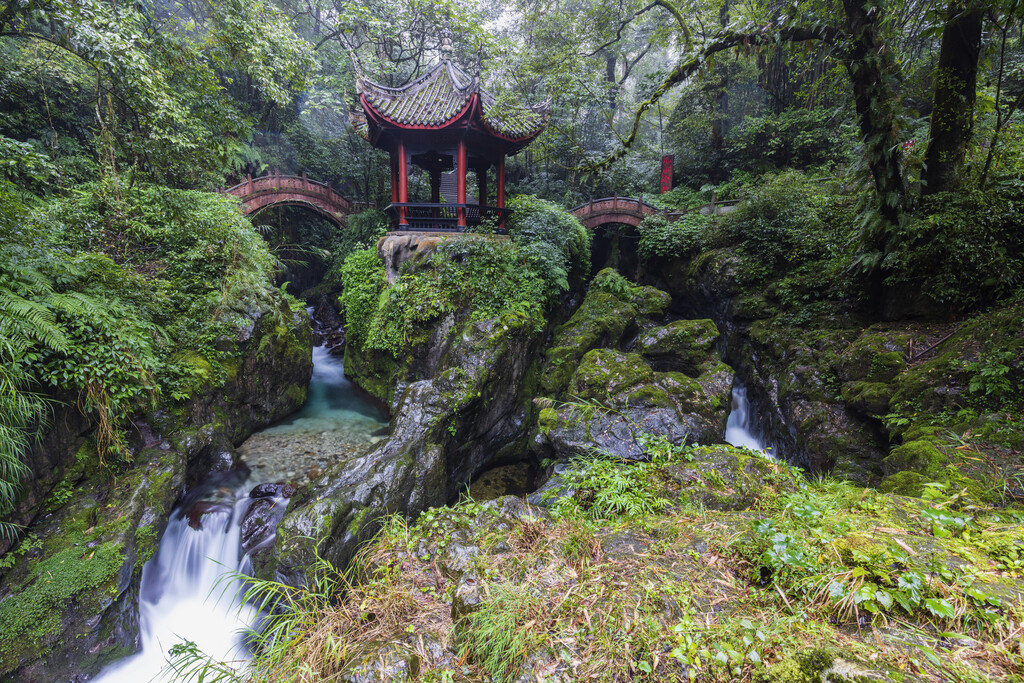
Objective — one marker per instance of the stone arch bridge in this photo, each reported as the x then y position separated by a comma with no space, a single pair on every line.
629,211
257,194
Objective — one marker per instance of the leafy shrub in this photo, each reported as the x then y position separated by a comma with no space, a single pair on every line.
963,250
611,281
551,240
794,138
362,277
486,277
679,198
363,231
121,295
783,224
661,237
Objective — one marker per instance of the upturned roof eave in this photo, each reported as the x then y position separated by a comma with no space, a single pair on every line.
471,112
471,91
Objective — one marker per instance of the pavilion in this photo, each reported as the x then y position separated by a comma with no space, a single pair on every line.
446,124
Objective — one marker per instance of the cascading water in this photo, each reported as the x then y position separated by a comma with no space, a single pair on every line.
190,592
741,427
190,589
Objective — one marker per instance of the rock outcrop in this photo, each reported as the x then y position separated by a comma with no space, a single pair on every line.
613,371
462,406
68,598
791,373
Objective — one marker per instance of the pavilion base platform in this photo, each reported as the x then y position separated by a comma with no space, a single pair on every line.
395,248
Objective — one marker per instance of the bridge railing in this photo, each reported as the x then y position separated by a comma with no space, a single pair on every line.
274,183
626,203
281,181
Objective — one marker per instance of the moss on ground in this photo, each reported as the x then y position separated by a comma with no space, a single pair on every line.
715,565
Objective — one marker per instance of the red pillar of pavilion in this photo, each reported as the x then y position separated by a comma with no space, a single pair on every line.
403,186
500,199
460,188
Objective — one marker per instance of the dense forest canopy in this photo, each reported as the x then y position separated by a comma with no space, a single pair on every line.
118,115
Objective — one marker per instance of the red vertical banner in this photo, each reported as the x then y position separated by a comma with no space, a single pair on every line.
666,172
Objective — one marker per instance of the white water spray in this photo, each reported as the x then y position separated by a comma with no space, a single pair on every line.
741,427
189,593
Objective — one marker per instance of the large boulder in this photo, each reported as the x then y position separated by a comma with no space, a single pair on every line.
472,410
601,320
615,396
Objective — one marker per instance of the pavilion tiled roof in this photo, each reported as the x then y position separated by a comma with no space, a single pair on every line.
439,96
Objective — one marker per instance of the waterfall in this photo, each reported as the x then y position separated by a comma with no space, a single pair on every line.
741,427
190,592
190,589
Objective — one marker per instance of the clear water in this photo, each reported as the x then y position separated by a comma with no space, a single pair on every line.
333,402
741,427
189,588
335,424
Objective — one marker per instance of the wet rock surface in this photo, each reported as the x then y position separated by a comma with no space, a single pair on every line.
447,426
673,384
790,372
68,596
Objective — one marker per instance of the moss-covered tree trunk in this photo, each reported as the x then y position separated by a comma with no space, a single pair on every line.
871,69
956,79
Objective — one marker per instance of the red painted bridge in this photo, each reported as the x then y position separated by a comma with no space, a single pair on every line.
625,210
257,194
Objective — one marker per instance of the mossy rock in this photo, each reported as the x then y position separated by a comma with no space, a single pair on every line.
601,320
604,372
869,398
649,302
752,306
874,357
917,456
818,666
681,345
904,484
726,478
69,590
375,372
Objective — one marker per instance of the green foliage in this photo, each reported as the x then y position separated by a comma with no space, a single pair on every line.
146,89
117,297
991,374
963,250
362,278
679,198
613,283
822,547
604,486
481,278
552,241
673,239
794,138
495,638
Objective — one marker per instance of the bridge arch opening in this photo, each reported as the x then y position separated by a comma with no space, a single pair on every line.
301,236
613,222
615,245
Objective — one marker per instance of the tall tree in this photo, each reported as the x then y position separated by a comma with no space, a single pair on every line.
956,78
